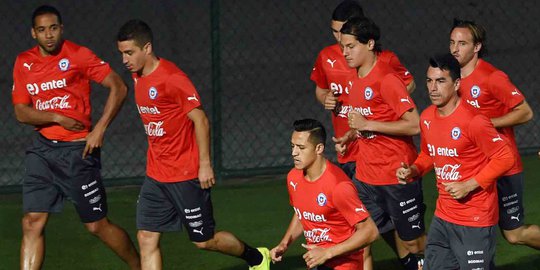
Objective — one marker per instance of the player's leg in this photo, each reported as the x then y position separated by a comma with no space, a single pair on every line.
40,197
85,187
512,213
439,255
197,215
150,251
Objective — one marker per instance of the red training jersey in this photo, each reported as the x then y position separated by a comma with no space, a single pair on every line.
328,209
381,96
60,84
459,146
164,98
332,72
491,92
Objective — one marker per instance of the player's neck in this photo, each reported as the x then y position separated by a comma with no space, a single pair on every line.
468,68
151,64
367,66
449,107
314,172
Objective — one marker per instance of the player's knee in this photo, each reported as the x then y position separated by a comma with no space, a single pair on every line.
147,240
203,245
413,246
33,223
97,226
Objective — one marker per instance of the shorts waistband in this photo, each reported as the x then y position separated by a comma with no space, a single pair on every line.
50,142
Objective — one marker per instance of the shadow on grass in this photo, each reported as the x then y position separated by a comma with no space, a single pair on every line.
296,262
526,262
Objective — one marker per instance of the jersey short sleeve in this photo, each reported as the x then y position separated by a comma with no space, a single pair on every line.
394,93
94,69
19,93
504,90
346,201
182,90
482,132
317,74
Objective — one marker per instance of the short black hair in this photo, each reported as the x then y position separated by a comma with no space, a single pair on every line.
45,9
137,31
477,31
446,61
347,10
363,29
317,133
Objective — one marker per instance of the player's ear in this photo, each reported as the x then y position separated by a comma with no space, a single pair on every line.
456,84
319,149
477,47
33,31
371,44
148,48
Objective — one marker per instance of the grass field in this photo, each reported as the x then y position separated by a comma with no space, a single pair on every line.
255,209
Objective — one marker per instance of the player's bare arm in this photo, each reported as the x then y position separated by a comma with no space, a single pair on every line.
293,232
342,142
30,116
407,125
117,95
520,114
366,232
460,190
411,87
202,136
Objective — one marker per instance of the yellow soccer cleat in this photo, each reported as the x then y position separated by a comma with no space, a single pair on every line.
265,264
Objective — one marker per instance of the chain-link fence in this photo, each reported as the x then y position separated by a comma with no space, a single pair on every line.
251,60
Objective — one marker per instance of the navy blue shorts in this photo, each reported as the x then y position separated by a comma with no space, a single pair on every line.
510,194
56,171
399,207
164,207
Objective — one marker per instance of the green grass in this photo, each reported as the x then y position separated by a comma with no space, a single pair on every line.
256,210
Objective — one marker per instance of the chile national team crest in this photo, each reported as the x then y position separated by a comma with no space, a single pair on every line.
368,93
321,199
152,93
475,91
63,64
456,133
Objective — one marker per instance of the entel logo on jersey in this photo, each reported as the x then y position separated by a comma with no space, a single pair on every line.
309,215
368,93
152,92
475,91
321,199
337,89
63,64
456,133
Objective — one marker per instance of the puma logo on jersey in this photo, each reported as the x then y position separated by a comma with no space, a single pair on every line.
198,231
515,92
360,209
28,66
193,98
407,73
405,100
416,226
427,123
97,208
498,138
293,185
330,62
515,217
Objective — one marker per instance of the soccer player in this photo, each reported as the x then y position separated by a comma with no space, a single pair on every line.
51,91
176,190
468,156
490,91
333,79
385,119
327,210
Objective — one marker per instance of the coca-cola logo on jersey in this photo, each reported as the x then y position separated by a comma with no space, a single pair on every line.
58,103
448,172
154,129
318,235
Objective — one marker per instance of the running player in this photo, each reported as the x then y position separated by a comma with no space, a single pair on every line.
51,91
327,210
385,119
176,190
468,156
490,92
333,79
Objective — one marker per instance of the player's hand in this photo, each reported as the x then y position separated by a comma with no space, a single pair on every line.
330,101
206,176
315,255
277,252
357,121
340,145
460,190
69,123
404,173
94,140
